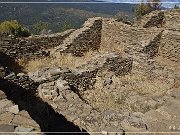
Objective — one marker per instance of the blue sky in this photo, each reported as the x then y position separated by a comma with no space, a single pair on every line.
166,3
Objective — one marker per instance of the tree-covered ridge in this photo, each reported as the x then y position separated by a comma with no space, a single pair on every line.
56,15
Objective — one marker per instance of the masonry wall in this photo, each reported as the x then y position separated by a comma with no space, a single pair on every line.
152,48
84,39
170,45
32,47
120,37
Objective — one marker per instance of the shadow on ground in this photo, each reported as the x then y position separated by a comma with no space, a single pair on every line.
7,61
40,111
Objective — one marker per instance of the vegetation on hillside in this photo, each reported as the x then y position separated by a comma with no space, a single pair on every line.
57,15
14,28
176,6
39,26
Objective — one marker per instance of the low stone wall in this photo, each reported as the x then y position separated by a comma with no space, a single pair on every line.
172,19
155,21
84,77
164,19
170,45
120,37
152,48
84,39
32,47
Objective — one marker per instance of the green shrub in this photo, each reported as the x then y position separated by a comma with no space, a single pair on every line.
24,32
14,28
176,6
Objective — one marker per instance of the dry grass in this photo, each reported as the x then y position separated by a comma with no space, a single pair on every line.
118,97
109,45
62,60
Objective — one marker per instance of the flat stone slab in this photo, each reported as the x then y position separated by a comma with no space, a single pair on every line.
24,121
13,109
7,128
23,129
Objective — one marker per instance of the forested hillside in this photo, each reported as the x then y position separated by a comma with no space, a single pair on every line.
58,16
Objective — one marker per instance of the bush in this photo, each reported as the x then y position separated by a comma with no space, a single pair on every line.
24,32
176,6
14,28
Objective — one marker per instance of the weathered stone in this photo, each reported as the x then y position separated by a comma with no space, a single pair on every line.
6,118
13,109
34,46
84,77
23,129
166,19
170,45
5,103
23,121
2,95
83,40
7,128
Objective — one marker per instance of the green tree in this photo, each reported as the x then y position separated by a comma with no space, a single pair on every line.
24,32
11,27
14,28
38,27
176,6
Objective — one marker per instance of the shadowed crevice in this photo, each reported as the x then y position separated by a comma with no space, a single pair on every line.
40,111
7,61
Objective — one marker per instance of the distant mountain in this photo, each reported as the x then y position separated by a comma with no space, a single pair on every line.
57,14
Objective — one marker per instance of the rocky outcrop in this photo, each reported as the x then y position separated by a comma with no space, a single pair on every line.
84,39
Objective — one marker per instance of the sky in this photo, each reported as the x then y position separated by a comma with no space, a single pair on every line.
166,3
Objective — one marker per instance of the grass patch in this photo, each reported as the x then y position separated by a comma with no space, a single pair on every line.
61,60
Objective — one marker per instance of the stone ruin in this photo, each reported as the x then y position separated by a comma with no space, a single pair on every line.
84,39
32,47
59,99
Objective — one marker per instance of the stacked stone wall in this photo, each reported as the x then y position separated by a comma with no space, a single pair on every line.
152,48
155,21
84,39
84,77
165,19
32,47
170,45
